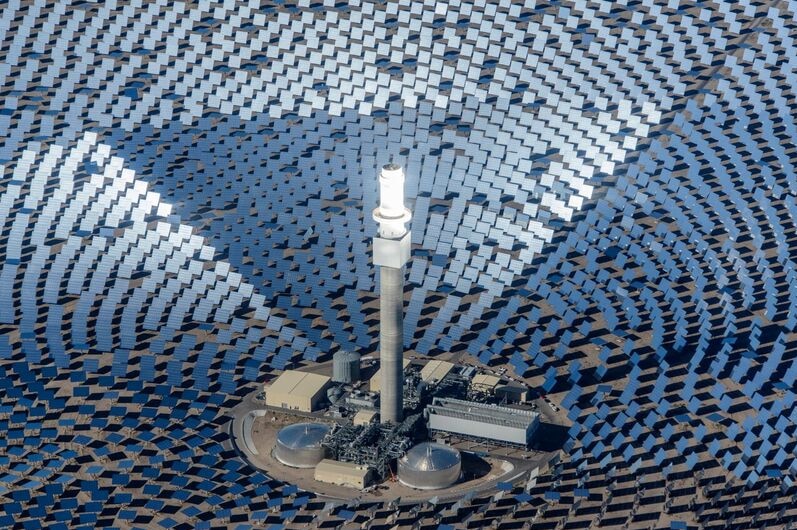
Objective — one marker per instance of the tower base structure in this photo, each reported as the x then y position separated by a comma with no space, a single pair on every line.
391,338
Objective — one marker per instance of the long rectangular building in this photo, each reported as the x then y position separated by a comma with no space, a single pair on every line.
482,420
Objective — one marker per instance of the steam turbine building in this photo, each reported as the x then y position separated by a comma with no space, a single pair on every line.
391,251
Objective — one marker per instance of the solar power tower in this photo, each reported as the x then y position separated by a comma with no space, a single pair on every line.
391,253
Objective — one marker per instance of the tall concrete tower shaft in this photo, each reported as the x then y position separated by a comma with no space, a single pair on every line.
391,253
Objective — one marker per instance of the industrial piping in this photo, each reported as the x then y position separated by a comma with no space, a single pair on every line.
391,254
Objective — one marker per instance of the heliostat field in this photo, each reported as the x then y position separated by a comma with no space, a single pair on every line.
604,207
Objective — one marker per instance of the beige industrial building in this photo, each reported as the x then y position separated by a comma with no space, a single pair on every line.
377,377
513,393
296,390
364,417
343,474
435,371
485,383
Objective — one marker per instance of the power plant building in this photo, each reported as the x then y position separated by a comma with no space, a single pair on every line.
376,379
435,371
296,390
482,421
364,417
485,383
512,393
343,474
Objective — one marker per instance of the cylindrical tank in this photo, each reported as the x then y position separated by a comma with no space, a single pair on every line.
299,445
346,367
430,466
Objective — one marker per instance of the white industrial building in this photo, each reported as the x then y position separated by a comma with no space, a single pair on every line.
483,421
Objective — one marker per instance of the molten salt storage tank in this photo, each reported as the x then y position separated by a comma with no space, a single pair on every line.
299,445
430,466
346,367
